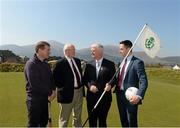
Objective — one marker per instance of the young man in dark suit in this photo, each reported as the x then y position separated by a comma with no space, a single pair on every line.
96,76
131,74
68,79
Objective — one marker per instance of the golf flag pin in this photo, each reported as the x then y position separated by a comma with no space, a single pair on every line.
149,42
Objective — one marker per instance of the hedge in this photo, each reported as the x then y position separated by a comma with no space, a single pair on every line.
11,67
16,67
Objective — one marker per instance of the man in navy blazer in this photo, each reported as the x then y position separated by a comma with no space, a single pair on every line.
131,74
68,80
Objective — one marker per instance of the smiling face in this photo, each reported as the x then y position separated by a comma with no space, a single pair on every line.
43,49
96,53
123,50
44,52
69,51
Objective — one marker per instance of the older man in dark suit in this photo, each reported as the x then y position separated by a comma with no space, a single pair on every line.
131,74
97,74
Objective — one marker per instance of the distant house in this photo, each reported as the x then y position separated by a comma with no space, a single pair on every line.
176,67
24,58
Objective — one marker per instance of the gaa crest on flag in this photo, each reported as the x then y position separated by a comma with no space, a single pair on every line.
150,43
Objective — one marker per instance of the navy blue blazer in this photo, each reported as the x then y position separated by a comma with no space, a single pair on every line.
135,77
64,80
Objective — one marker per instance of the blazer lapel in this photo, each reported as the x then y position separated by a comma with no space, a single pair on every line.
69,66
130,64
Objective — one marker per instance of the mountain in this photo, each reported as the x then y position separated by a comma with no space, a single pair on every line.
28,50
172,59
110,52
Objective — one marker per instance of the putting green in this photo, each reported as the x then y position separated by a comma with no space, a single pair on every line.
161,106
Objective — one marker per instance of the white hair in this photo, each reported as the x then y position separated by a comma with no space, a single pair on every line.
66,46
98,46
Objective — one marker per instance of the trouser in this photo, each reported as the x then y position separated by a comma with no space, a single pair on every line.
75,106
127,111
100,113
37,112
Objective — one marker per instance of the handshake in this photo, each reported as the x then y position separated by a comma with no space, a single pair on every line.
52,96
94,89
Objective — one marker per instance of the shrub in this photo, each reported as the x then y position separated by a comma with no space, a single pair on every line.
11,67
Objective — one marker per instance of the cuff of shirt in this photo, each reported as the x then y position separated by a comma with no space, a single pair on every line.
139,97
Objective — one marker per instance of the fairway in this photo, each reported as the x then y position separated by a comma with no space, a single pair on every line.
161,106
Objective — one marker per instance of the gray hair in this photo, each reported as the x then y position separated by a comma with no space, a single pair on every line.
66,46
98,46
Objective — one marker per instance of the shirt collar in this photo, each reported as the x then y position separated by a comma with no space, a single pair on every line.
100,60
69,59
129,57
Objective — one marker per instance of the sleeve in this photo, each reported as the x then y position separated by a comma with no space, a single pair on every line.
114,78
143,82
53,86
112,75
57,71
89,77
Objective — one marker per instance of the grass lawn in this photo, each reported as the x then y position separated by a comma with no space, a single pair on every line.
161,106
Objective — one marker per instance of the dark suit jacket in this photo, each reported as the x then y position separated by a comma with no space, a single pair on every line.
64,80
106,72
135,77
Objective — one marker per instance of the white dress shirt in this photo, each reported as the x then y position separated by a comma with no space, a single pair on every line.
70,63
98,66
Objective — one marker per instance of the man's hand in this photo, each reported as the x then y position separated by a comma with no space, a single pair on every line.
52,96
135,99
93,88
107,88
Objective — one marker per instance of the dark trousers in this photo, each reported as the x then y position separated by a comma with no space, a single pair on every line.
127,111
37,112
100,113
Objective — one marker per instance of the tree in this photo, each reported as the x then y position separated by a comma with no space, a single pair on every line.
7,54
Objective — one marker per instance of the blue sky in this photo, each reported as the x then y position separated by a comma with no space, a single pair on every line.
83,22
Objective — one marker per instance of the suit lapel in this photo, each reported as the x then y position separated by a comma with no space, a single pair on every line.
67,62
129,66
93,63
69,66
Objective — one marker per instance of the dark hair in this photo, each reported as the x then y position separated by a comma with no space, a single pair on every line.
127,43
41,45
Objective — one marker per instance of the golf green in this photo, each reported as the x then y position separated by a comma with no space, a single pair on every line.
161,106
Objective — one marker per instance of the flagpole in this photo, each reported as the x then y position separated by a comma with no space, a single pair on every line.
116,73
133,44
128,52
